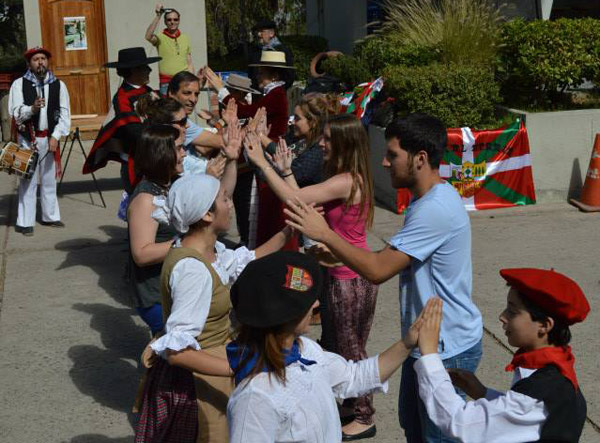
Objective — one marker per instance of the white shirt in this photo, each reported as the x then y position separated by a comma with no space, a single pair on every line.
191,290
499,417
261,409
22,112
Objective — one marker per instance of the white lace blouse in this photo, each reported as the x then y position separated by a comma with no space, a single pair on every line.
191,290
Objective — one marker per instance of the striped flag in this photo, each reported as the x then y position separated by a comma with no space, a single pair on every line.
490,168
356,101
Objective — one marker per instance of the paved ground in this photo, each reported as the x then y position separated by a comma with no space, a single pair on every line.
69,339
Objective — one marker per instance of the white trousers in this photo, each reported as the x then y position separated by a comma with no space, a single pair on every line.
45,174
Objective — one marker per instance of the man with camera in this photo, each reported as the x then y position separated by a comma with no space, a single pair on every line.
172,45
39,106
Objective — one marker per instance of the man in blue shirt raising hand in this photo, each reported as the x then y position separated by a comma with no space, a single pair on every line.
431,252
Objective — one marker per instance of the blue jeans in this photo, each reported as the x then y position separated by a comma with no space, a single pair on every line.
153,317
414,420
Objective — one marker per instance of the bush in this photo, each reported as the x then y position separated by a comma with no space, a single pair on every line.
463,31
460,95
304,48
373,55
348,69
540,59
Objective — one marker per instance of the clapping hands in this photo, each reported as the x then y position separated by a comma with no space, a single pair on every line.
283,157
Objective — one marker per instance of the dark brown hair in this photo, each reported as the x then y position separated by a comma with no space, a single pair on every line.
155,156
178,79
350,153
559,335
158,111
317,108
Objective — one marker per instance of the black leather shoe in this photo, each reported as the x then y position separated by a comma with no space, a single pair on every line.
367,433
53,224
28,231
18,229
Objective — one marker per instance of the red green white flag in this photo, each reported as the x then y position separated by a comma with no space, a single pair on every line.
356,101
490,168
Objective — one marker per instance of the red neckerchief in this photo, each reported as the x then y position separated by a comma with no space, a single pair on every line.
559,356
173,36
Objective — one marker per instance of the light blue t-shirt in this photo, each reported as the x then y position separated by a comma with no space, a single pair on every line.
194,162
437,235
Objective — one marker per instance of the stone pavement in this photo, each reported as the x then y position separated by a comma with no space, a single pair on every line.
70,341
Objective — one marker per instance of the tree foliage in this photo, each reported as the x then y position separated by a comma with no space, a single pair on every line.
229,22
12,38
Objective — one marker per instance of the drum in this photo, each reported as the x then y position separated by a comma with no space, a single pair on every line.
18,160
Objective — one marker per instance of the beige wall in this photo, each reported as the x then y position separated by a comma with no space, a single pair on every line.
126,23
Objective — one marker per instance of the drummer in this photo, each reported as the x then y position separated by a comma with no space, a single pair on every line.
39,105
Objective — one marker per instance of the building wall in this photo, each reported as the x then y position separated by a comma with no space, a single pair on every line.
126,23
341,26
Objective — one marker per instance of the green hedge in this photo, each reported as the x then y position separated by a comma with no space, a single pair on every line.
460,95
304,48
373,55
540,59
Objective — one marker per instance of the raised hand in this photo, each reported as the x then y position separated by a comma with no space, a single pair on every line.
429,331
234,140
213,79
216,166
229,114
262,129
254,149
306,219
254,121
158,8
282,159
411,337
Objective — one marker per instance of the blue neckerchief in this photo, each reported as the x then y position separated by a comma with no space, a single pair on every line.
237,355
49,78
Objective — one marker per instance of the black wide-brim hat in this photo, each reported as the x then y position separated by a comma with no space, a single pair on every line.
131,58
264,24
276,289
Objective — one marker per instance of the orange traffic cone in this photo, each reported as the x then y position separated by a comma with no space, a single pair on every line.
590,196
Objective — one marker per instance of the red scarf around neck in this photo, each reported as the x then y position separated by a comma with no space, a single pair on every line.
173,36
559,356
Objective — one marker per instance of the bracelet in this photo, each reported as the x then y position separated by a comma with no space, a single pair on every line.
287,175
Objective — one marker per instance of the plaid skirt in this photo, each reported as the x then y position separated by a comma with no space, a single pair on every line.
169,410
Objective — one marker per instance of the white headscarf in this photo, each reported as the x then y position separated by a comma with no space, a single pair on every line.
188,201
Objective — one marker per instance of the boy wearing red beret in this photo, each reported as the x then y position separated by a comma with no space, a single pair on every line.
545,402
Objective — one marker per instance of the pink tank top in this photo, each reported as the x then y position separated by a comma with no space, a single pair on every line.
348,223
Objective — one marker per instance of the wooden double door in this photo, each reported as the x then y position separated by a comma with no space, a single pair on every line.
74,32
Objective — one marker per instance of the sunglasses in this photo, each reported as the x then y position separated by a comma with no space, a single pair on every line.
172,20
181,122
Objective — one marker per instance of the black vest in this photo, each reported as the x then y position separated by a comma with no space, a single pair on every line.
566,407
52,102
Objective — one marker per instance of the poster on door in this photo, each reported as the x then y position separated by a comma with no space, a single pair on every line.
75,34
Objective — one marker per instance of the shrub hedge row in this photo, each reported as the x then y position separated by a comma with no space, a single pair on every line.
537,61
540,59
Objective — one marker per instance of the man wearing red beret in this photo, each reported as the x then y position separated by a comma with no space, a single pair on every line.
39,105
545,402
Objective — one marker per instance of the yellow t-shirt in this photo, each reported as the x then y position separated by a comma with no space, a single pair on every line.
173,52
